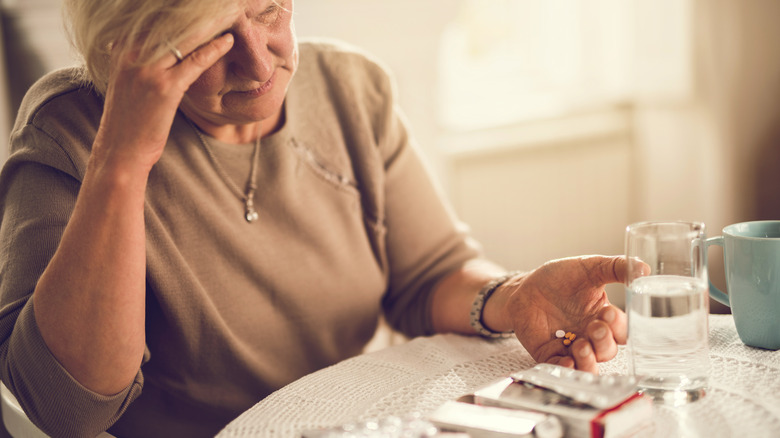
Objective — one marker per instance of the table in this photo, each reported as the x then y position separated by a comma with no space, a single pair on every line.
418,376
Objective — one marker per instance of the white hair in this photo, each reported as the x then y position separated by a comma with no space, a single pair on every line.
146,26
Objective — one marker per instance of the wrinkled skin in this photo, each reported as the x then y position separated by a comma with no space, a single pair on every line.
567,294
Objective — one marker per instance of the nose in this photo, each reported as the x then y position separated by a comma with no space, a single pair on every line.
250,58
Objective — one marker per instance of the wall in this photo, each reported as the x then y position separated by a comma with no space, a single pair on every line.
546,189
713,157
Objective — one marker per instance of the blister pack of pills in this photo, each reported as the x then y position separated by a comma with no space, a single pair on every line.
598,391
485,421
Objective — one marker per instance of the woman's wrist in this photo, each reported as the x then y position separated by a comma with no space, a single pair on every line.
488,316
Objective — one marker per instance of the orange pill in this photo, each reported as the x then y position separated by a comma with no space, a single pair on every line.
567,342
572,337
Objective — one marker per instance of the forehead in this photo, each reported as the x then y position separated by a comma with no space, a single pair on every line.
243,9
257,6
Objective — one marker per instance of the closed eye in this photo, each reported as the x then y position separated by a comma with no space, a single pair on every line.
272,13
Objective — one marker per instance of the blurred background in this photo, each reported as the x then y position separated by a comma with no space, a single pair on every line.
549,124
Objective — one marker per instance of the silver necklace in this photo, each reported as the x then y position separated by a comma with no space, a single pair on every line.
250,214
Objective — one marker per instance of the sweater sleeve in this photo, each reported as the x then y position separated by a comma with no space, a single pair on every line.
36,201
416,238
425,241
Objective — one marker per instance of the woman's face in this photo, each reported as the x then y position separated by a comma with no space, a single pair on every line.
249,83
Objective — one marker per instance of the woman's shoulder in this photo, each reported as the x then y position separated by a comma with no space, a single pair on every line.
61,92
332,47
57,121
343,74
341,61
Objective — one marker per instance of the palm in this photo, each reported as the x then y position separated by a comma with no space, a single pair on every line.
563,295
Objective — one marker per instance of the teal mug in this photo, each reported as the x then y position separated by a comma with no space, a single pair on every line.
751,254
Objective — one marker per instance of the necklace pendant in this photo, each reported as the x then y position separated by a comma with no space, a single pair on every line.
251,215
249,205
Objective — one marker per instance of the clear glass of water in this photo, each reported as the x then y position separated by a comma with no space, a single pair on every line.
667,303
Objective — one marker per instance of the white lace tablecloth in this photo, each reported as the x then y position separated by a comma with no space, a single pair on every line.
743,400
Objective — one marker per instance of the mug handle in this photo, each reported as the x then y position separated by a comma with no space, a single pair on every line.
716,293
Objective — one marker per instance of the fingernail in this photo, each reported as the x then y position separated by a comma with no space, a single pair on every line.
609,315
584,351
599,333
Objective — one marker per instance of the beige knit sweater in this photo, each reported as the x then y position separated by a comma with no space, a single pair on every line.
350,226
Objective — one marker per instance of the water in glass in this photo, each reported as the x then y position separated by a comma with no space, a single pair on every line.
668,336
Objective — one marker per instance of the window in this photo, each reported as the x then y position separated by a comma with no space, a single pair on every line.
505,61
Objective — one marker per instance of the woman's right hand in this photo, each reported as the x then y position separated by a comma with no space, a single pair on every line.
141,100
89,303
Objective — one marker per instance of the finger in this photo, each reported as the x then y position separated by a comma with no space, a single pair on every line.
584,358
617,322
636,268
204,35
177,55
198,61
609,269
601,340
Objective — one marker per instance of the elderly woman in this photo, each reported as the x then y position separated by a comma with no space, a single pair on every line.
208,210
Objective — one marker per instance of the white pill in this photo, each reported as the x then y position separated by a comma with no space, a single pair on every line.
560,334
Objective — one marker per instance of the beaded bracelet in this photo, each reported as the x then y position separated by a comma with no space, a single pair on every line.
478,307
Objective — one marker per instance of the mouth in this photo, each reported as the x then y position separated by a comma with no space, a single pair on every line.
264,88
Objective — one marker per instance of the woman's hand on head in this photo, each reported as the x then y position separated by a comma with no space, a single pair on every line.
568,295
141,100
